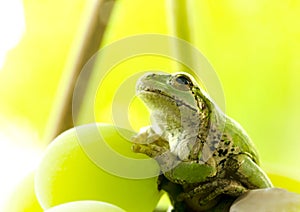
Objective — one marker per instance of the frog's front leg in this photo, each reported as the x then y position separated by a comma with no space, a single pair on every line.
156,147
149,143
243,168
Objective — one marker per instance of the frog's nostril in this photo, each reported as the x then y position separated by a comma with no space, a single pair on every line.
151,75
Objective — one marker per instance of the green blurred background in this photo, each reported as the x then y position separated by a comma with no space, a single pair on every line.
253,46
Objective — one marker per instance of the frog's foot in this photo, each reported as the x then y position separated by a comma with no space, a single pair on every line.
232,189
149,143
207,195
146,136
152,150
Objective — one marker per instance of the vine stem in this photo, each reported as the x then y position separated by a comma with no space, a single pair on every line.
180,22
86,44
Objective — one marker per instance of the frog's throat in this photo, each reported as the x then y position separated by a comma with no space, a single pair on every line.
144,91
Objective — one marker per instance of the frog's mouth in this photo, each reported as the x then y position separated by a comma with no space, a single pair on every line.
144,92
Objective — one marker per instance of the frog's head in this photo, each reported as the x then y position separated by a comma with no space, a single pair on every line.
166,92
179,108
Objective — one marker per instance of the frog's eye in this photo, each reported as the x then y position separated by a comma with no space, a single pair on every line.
182,82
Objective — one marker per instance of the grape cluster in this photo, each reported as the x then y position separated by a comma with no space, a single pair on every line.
68,180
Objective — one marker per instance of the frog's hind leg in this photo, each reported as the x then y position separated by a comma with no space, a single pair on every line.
243,168
209,192
228,187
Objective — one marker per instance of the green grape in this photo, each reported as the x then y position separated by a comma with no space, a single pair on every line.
23,197
67,174
85,205
269,199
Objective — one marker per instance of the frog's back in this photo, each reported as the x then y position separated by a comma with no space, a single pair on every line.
241,139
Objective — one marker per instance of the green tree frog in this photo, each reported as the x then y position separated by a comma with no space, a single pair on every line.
204,156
